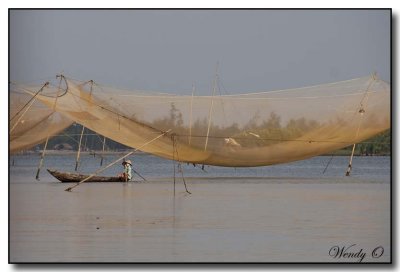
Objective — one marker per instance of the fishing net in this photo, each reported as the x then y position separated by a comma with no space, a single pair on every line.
252,129
31,121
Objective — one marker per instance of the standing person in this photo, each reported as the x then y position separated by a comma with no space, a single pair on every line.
127,174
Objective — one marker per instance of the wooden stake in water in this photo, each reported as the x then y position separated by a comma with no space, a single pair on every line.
102,154
173,159
48,135
41,159
79,149
211,108
361,111
190,119
351,161
83,129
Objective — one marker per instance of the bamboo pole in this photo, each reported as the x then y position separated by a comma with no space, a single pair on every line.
30,103
41,159
191,113
351,161
137,173
361,111
48,136
173,160
79,149
180,168
69,189
211,107
102,154
83,129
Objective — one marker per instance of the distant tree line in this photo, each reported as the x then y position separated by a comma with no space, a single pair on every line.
257,132
378,145
69,138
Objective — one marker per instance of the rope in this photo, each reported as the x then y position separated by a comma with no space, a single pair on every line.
180,167
58,88
329,162
301,88
253,93
116,113
183,98
268,139
34,81
207,136
69,136
137,173
31,101
218,137
114,162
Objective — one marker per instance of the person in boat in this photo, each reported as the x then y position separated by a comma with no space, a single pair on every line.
127,174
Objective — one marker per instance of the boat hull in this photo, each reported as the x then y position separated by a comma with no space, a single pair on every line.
74,177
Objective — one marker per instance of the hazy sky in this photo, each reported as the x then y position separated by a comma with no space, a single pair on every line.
167,50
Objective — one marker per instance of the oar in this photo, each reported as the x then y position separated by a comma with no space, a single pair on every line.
139,174
114,162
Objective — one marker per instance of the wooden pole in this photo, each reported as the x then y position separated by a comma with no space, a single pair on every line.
211,107
41,159
351,161
175,149
361,111
79,149
48,136
114,162
30,103
191,113
83,129
173,160
137,173
181,169
102,154
184,181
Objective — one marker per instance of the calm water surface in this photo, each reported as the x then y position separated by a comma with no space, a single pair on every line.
284,213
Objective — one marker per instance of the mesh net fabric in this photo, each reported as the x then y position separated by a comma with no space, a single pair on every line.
31,121
251,129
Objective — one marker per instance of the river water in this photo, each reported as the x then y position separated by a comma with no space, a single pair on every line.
284,213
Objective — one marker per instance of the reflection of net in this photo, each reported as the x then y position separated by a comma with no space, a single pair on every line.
245,130
31,122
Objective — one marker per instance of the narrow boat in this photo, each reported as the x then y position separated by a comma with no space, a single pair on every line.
73,177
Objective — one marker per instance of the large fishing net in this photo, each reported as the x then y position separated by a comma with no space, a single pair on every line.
31,121
250,129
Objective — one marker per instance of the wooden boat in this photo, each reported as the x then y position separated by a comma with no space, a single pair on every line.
74,177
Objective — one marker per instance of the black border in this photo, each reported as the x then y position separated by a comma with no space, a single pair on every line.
100,265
